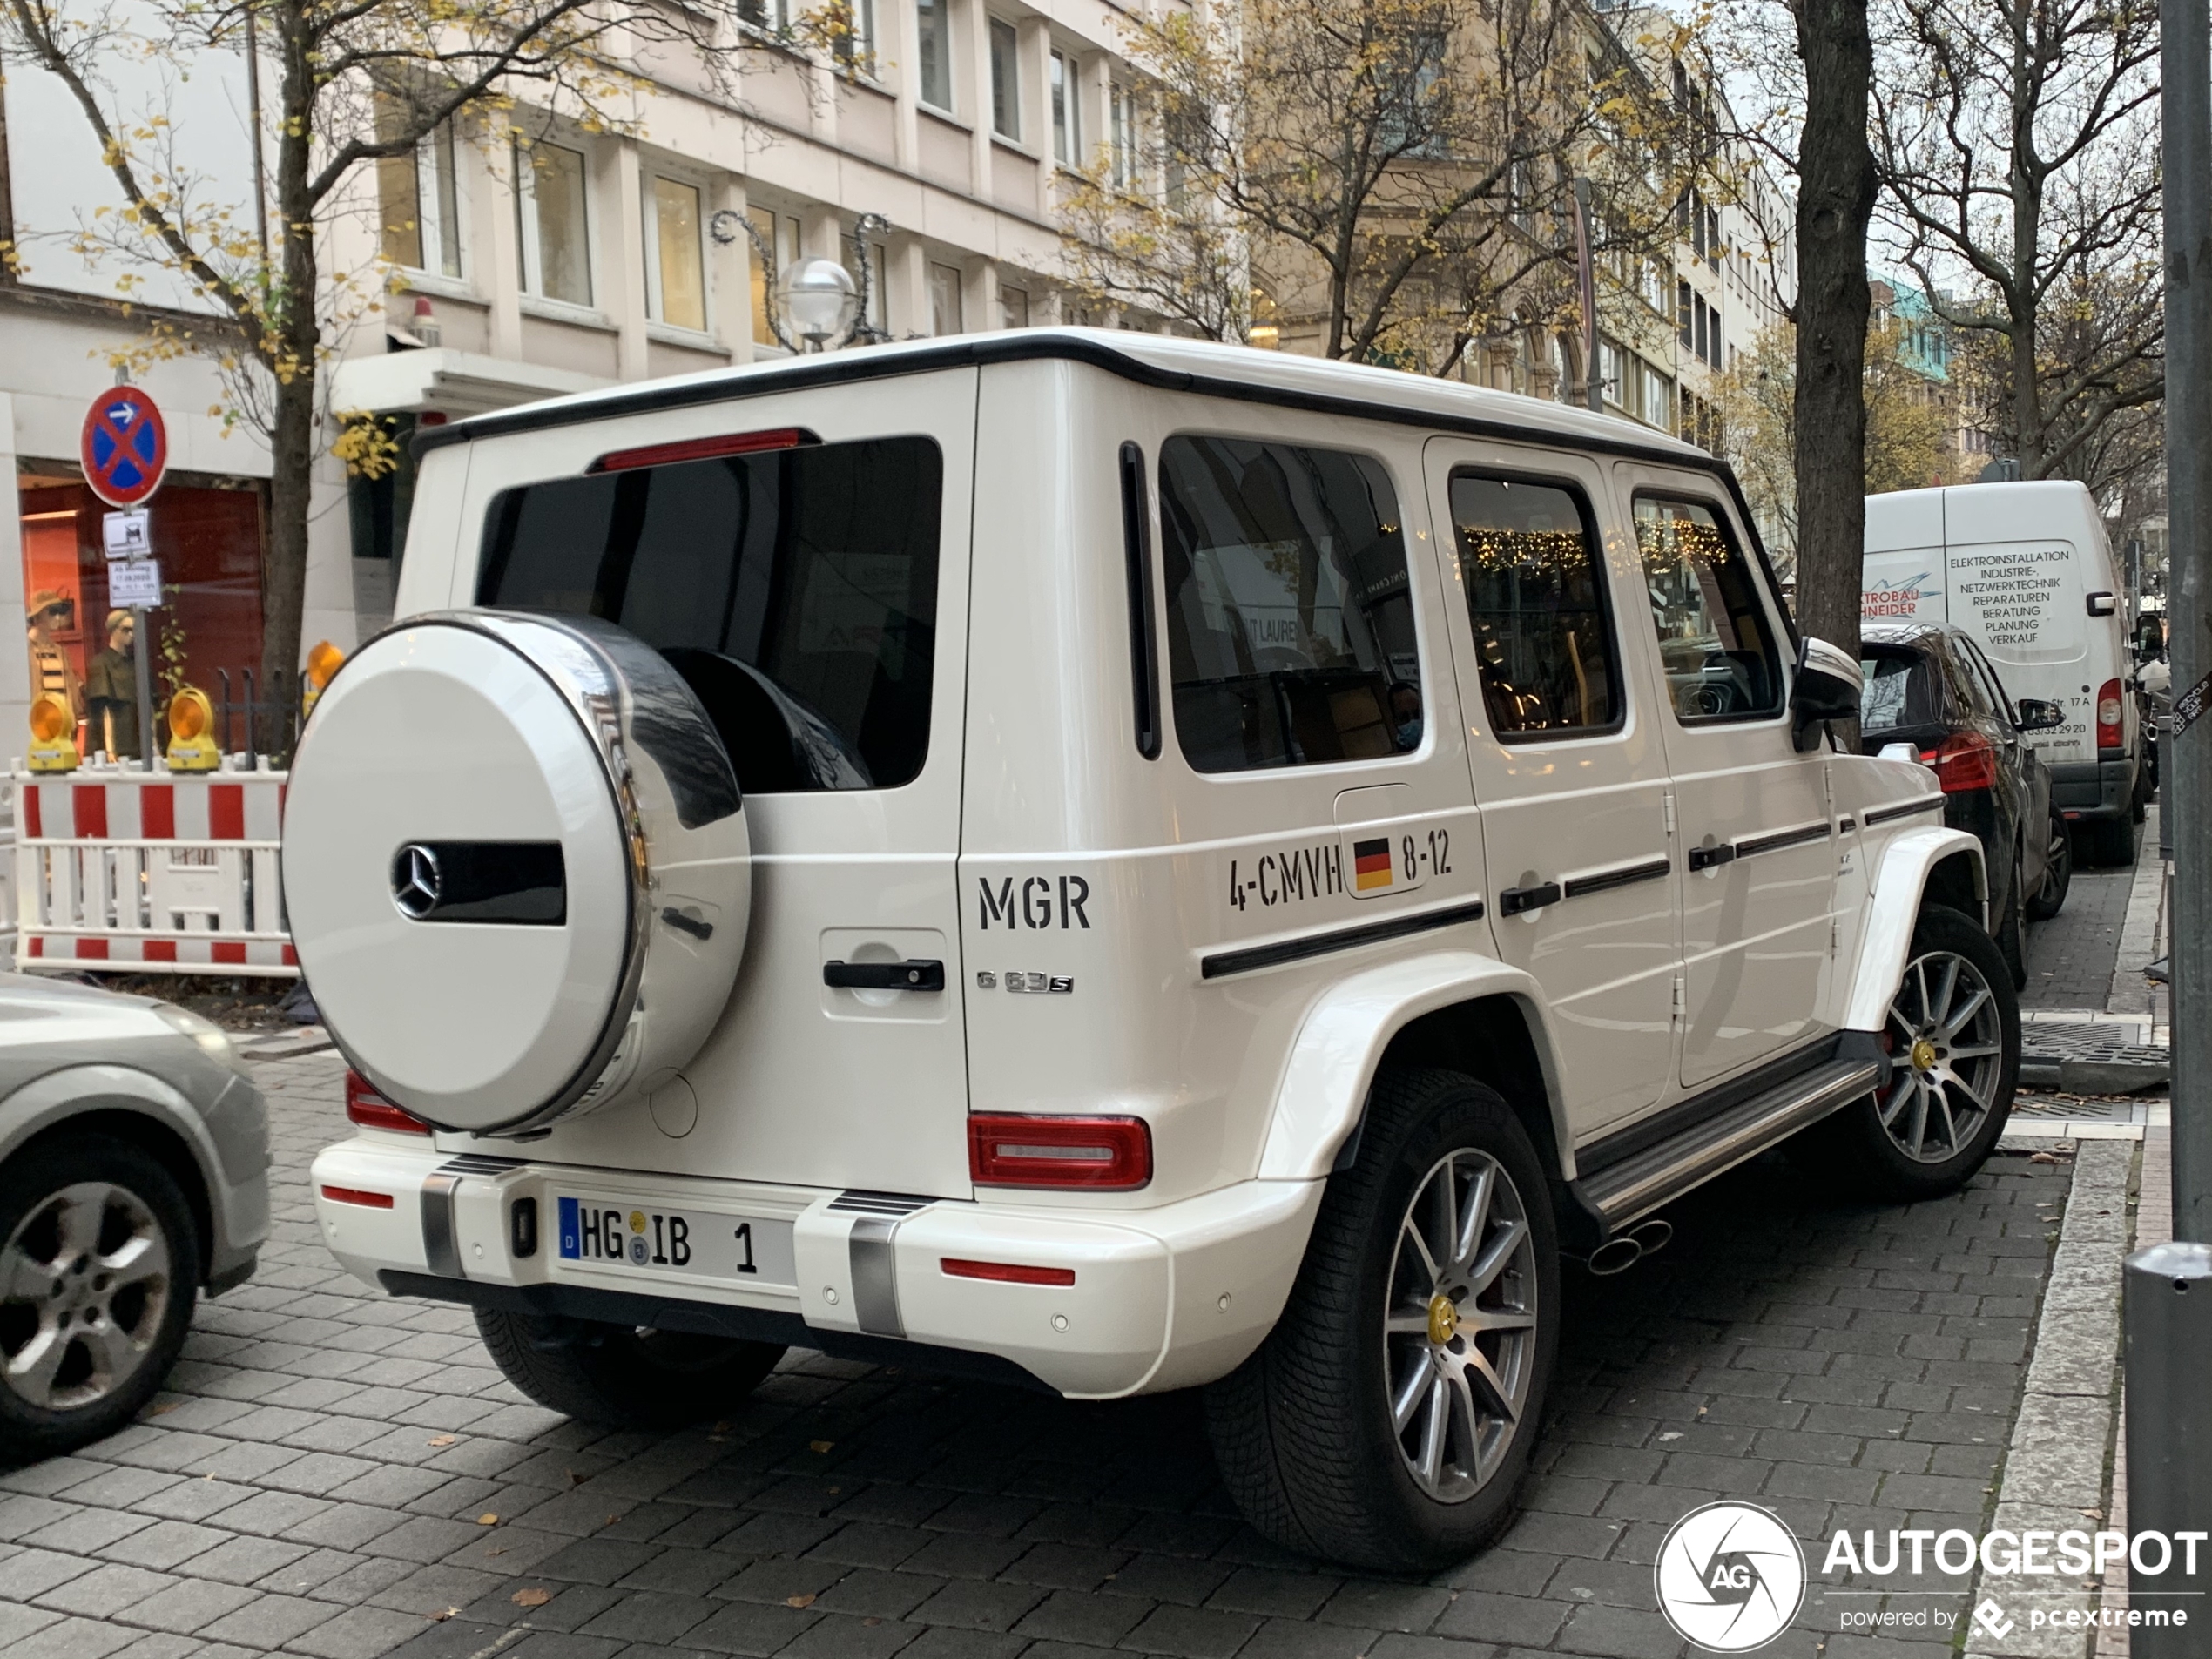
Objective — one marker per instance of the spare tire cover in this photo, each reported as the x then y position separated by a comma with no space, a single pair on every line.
516,867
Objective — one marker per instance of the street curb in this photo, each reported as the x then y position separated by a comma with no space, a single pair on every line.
2055,1465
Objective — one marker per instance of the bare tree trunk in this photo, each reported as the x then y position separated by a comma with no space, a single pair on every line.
1835,202
298,343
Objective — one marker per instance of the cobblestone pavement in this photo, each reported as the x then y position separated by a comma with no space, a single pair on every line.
2070,957
336,1474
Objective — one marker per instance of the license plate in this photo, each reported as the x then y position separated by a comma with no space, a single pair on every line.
695,1244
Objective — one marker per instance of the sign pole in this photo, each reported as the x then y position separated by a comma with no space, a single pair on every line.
142,653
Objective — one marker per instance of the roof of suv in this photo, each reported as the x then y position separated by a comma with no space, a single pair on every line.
1901,633
1172,364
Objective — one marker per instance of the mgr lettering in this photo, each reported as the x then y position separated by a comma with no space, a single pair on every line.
1033,906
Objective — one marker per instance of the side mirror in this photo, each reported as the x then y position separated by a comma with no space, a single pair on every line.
2103,605
1827,687
2037,715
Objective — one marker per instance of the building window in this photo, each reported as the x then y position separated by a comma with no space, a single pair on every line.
1006,82
550,220
1067,112
674,271
1121,135
419,200
935,17
1685,316
944,299
1014,307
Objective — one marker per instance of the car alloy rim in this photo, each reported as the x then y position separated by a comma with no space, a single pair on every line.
1946,1051
85,1286
1459,1333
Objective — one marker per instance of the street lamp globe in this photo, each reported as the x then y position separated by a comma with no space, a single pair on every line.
819,297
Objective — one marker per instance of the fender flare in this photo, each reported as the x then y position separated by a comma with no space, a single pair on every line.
1893,909
1332,1060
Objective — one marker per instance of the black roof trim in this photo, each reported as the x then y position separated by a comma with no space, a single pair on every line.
1019,345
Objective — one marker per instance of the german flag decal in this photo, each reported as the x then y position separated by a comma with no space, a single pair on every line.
1370,864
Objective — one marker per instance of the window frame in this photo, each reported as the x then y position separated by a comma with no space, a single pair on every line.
1006,77
656,298
1064,96
530,234
1593,537
1780,631
945,49
1426,643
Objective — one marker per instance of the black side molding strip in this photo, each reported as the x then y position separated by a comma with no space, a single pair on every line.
1606,880
1774,843
1911,809
1222,964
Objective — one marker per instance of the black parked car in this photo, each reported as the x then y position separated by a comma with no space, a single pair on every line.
1930,687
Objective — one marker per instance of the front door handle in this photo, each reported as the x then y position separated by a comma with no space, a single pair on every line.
1515,901
919,975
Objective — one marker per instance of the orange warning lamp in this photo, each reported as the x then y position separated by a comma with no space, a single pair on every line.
53,734
191,741
323,662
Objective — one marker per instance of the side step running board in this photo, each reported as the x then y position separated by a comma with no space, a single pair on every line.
1661,1174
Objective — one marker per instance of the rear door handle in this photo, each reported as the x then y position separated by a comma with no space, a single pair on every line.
920,975
1710,858
1514,902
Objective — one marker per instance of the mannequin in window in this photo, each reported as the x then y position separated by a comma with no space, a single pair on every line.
50,669
111,690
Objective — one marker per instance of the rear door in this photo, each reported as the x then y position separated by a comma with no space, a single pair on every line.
815,595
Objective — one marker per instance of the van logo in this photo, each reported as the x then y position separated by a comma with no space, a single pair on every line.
1899,599
416,880
1041,903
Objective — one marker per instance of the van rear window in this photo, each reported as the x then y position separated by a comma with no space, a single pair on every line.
796,591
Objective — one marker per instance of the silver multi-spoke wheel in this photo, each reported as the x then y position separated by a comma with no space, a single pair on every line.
1460,1334
1947,1052
86,1282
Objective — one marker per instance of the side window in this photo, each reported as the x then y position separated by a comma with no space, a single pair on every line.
1291,638
1714,639
1535,587
1992,687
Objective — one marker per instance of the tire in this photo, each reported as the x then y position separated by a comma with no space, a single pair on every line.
2112,842
619,1376
1926,1132
2058,874
2011,929
99,1266
1305,1431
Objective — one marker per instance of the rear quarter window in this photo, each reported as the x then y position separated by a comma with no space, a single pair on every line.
1902,689
795,590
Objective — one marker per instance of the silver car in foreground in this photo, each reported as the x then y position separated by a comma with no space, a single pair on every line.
134,1159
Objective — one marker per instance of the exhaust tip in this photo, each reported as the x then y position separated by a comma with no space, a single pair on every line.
1652,1237
1615,1256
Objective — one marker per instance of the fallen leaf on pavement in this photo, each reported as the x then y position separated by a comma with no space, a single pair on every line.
2095,1515
821,1445
444,1440
487,1518
531,1597
798,1601
2042,1157
440,1618
164,1408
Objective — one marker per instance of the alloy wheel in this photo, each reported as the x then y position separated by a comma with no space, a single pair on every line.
1459,1333
1948,1053
85,1284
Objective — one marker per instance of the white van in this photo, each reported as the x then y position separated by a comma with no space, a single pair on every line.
2028,571
1114,863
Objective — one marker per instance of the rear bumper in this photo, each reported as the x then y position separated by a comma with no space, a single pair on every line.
1162,1298
2094,789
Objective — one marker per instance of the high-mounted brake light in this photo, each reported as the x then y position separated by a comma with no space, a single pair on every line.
2109,715
1965,761
370,1110
725,443
356,1195
1018,1150
1005,1272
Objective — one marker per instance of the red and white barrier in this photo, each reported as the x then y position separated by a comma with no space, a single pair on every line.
171,873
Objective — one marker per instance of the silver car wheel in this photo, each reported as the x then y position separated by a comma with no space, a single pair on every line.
1459,1333
1947,1053
84,1285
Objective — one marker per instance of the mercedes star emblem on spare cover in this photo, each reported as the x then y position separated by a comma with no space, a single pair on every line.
415,883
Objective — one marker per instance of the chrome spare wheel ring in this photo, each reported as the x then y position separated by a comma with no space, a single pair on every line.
1459,1333
84,1285
1946,1054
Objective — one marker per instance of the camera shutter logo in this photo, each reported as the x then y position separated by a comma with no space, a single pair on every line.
1731,1577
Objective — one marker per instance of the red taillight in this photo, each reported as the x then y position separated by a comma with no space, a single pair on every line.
2109,716
370,1110
1014,1150
1966,761
728,443
355,1195
1005,1272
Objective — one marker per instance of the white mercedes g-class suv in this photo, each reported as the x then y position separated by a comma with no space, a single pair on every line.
1110,862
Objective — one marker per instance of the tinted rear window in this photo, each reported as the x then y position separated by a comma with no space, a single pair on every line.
1901,689
812,569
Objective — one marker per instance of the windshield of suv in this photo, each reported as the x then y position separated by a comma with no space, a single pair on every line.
795,590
